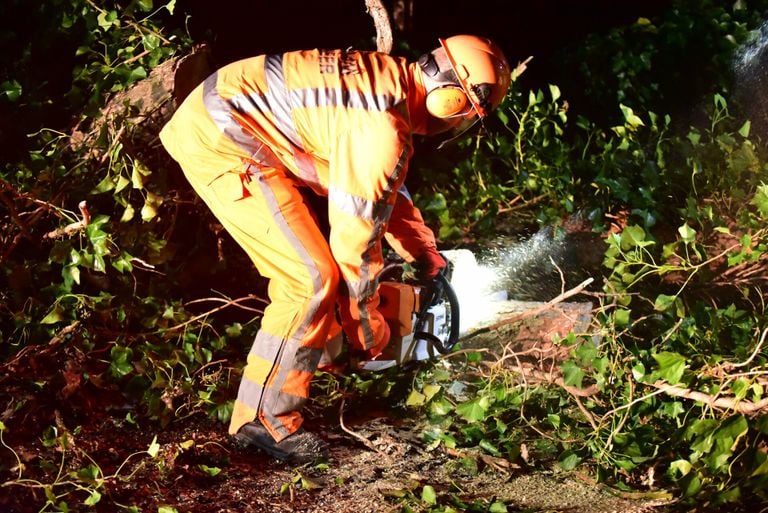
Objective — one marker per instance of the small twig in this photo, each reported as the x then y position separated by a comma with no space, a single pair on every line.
560,272
752,356
466,351
520,68
227,303
590,418
73,227
632,403
360,437
209,364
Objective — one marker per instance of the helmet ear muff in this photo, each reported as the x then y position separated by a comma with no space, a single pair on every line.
446,102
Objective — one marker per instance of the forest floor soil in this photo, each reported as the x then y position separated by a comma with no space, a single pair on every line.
58,453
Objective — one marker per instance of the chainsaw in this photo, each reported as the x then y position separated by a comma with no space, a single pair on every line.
423,318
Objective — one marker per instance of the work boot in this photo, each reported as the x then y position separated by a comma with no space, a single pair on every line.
299,447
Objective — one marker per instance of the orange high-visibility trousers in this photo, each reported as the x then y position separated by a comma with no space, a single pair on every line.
252,139
264,211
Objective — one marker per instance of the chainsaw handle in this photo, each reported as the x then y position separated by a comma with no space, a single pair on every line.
440,287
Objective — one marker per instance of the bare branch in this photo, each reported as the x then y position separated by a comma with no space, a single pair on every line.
533,312
723,403
383,26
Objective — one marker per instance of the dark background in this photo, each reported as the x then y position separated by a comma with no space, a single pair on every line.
36,52
541,28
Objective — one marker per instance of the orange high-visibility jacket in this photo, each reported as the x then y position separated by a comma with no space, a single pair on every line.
337,121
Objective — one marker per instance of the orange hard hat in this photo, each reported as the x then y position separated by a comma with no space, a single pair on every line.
481,69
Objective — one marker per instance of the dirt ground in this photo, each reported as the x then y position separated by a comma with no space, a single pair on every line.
379,462
357,478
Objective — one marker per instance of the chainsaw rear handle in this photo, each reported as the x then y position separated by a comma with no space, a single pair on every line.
439,287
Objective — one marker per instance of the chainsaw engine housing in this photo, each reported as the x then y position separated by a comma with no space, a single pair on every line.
418,330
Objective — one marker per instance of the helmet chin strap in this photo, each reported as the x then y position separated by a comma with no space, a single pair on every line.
461,133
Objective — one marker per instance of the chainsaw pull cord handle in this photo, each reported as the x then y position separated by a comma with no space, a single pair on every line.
439,286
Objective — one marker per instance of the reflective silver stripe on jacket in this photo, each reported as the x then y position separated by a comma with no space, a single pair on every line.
279,101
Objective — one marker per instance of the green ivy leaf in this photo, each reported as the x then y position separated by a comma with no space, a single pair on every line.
744,130
11,89
663,302
154,448
93,498
638,371
555,92
472,411
680,468
621,317
760,470
740,388
54,316
121,360
234,330
137,73
671,366
428,495
431,390
415,398
630,117
107,19
308,483
486,445
687,233
691,485
634,236
498,507
761,200
568,460
211,471
128,214
151,204
573,374
440,407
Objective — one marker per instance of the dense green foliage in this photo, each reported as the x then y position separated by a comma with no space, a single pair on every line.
669,384
681,311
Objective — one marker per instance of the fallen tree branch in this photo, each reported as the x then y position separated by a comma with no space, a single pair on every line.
39,349
537,376
533,312
724,403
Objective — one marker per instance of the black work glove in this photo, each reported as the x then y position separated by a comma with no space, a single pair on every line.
428,265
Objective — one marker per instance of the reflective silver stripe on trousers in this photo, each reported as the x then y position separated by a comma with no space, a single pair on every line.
366,286
283,350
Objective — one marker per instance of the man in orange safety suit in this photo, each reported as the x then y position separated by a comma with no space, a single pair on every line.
261,135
